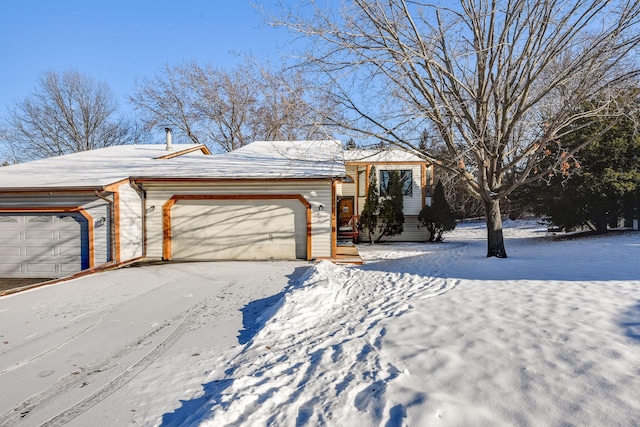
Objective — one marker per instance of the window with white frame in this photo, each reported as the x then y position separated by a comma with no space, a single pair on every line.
405,178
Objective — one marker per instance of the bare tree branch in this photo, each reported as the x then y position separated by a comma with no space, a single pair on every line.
66,113
496,79
231,108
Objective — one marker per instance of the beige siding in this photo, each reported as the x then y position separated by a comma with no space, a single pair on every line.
411,233
361,178
349,188
317,193
101,230
413,203
131,224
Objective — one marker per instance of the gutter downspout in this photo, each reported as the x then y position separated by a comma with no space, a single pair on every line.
112,225
143,192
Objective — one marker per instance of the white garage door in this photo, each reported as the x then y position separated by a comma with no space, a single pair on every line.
238,229
43,245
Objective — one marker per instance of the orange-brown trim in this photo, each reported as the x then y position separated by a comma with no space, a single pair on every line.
65,190
357,181
62,209
216,180
202,148
368,180
384,163
114,186
166,213
56,190
166,228
334,227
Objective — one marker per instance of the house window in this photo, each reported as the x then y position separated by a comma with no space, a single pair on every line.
362,183
405,179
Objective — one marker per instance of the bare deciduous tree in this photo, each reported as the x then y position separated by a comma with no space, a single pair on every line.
230,108
495,80
66,113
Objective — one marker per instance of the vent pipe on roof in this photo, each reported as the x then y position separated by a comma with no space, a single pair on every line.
168,139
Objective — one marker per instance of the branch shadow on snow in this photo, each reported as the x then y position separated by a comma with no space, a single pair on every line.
630,322
254,316
536,258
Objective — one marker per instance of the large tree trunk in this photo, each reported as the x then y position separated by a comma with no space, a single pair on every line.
495,241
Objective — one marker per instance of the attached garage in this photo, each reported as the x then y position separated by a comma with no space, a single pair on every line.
43,245
241,227
96,209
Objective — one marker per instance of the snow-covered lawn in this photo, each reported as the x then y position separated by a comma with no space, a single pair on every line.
419,335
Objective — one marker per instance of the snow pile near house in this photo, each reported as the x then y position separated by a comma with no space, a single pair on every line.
318,347
440,335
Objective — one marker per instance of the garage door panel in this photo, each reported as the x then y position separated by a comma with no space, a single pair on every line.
39,251
42,245
10,251
9,234
69,235
39,234
239,229
41,268
16,268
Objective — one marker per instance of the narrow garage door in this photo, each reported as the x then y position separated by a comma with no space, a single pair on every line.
43,245
238,229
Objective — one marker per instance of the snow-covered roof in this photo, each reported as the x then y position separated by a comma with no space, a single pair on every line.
89,169
380,156
260,160
105,166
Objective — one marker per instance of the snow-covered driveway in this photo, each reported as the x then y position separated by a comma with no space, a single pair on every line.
93,350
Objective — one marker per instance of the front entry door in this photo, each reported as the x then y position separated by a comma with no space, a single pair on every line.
345,210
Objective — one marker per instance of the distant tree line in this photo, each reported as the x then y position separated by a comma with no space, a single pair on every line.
66,113
224,109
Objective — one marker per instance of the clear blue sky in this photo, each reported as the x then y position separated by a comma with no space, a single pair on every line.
117,41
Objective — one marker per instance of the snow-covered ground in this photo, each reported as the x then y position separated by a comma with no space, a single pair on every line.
419,335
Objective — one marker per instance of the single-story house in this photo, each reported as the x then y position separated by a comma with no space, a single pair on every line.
267,200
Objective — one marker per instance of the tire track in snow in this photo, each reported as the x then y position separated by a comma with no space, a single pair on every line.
186,321
59,345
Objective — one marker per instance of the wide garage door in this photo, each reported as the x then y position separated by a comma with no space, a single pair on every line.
238,229
43,245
